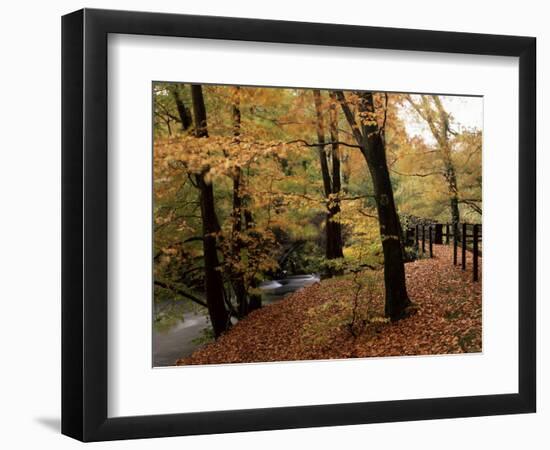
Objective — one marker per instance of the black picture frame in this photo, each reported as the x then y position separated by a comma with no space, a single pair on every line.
84,224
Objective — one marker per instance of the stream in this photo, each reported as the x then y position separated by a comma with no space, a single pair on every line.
177,341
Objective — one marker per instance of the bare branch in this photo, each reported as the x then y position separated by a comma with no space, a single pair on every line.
428,174
371,216
428,118
308,144
181,292
472,204
357,197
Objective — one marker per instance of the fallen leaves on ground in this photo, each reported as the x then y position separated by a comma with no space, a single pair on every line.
313,323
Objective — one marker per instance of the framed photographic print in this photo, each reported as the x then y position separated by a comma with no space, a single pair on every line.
274,224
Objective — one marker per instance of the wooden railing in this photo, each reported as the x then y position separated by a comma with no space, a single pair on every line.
466,236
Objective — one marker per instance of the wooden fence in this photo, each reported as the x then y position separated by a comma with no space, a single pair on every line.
463,236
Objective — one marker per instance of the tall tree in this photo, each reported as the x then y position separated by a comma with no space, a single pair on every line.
237,275
370,136
432,111
331,182
242,222
183,111
215,293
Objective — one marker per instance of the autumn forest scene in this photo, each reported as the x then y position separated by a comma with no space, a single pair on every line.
312,224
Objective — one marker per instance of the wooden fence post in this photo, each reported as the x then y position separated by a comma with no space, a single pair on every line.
476,251
416,236
455,243
438,233
447,232
464,239
423,240
430,233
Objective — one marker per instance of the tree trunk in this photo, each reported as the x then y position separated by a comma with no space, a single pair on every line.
255,301
237,276
438,123
450,172
215,294
374,152
183,111
394,270
450,176
331,186
334,210
370,137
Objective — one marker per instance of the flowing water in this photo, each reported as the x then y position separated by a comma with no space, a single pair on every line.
180,340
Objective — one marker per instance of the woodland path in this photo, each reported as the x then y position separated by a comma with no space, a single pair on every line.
312,323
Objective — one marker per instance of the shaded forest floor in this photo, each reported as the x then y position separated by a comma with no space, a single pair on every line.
314,323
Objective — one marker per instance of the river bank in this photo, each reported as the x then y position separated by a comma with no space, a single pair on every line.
188,334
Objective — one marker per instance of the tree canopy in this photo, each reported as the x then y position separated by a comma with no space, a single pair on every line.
257,182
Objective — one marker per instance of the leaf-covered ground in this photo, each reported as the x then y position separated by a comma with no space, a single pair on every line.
343,317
